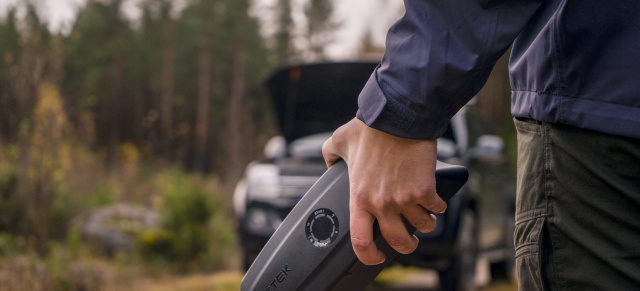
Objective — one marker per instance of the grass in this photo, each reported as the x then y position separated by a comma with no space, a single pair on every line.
221,281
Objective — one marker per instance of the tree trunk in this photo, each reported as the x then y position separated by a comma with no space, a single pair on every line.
168,68
202,110
235,114
115,109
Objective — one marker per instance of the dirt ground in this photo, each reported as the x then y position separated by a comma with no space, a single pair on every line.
392,279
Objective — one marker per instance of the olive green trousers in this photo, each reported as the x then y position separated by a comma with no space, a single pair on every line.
577,209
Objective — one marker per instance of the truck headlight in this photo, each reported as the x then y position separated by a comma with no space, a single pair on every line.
263,181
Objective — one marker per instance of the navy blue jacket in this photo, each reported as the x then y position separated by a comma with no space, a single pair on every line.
575,62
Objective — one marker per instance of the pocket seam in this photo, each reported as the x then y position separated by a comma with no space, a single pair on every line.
529,251
532,244
525,249
522,125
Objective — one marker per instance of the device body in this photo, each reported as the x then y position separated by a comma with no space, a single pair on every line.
311,250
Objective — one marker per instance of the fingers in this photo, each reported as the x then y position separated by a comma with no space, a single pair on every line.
362,238
420,218
435,204
395,233
387,176
393,230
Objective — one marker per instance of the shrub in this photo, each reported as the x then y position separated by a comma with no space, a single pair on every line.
10,214
10,245
195,232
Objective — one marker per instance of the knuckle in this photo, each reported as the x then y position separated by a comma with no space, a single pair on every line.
382,203
325,147
404,200
360,244
338,136
424,192
436,205
430,204
358,194
428,198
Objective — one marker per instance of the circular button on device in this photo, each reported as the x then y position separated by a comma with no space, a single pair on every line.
322,227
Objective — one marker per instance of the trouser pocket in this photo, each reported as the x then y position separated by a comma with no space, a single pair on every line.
531,204
529,247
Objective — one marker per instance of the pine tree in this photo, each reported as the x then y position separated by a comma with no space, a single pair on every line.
284,49
320,26
9,54
95,66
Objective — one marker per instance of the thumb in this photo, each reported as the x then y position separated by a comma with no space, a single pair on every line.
330,152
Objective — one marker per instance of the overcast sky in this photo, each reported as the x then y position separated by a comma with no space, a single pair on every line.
356,17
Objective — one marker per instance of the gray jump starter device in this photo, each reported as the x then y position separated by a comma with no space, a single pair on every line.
311,250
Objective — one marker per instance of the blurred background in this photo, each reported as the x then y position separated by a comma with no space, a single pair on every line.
126,124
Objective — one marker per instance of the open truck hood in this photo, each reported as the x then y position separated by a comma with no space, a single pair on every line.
317,97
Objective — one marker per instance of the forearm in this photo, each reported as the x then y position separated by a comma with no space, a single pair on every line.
438,56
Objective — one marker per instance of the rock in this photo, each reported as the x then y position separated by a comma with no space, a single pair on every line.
115,227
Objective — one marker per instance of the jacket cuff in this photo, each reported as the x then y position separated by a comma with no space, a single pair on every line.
382,108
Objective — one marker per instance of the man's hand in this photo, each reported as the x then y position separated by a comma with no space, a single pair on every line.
390,177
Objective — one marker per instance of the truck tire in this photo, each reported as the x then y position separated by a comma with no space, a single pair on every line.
460,275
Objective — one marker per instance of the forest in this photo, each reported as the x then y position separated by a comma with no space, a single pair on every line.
160,113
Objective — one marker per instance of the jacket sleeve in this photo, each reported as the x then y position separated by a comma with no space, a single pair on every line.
438,56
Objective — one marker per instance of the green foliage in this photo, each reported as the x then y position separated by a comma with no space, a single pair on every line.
9,44
8,199
11,245
195,231
74,241
185,202
63,208
101,195
155,242
87,129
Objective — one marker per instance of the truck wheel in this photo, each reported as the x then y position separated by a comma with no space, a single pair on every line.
460,275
